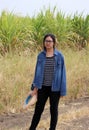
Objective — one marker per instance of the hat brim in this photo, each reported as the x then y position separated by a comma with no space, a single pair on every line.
29,101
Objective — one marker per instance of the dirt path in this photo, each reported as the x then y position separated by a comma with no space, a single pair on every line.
72,116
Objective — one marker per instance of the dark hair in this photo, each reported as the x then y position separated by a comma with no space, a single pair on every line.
53,38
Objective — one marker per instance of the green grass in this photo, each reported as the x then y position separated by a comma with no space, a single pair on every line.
18,32
17,71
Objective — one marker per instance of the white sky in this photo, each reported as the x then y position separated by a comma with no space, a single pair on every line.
32,7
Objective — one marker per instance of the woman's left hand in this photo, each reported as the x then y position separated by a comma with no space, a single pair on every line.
34,91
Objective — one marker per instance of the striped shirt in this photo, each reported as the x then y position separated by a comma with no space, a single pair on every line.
48,71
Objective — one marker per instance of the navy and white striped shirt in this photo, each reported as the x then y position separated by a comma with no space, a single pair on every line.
48,71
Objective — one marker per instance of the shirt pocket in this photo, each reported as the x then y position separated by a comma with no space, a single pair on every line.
59,64
40,61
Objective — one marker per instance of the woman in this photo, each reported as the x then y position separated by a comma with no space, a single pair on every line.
49,81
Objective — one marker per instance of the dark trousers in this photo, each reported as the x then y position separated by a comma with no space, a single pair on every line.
43,95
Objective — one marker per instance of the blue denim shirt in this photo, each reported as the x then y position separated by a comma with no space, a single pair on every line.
59,79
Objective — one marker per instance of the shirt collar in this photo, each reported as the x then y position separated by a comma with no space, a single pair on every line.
55,52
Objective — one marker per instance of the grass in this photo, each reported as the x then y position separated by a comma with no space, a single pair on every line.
17,71
18,32
67,117
77,73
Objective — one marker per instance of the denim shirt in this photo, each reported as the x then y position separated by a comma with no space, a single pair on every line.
59,78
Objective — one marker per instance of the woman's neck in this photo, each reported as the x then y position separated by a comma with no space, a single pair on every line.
49,52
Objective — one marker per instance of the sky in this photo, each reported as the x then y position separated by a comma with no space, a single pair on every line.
33,7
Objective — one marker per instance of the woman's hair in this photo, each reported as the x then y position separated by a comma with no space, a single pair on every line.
53,38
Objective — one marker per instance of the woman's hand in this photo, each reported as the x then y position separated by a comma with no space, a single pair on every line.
33,92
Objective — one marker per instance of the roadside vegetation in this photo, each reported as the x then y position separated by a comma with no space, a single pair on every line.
21,41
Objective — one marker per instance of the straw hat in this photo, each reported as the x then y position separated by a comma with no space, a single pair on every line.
29,101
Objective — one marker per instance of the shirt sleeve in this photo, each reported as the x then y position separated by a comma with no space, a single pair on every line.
63,80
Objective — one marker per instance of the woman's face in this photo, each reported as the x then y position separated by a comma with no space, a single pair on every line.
48,43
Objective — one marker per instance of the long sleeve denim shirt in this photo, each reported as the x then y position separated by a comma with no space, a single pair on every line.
59,78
